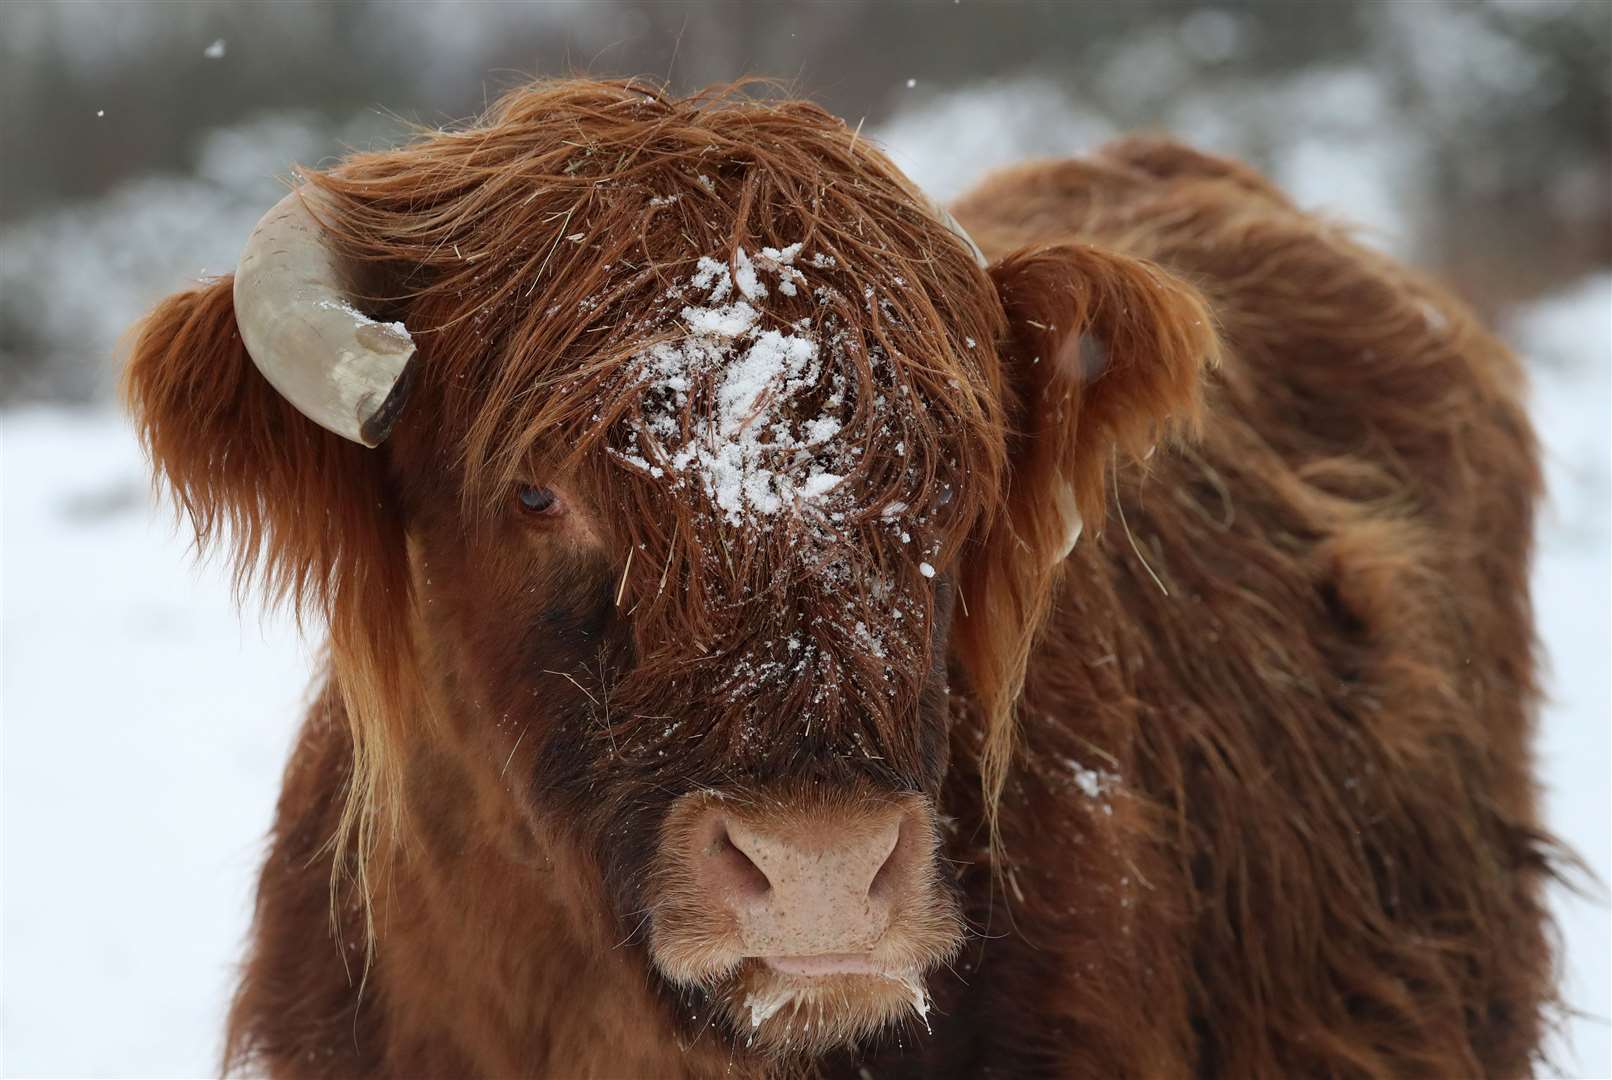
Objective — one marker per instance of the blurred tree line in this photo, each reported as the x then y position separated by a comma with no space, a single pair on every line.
1510,98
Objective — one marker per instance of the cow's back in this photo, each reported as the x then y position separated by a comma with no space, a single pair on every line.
1276,811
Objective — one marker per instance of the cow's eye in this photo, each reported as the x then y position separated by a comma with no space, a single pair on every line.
537,500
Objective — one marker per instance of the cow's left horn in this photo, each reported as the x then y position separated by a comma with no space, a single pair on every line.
294,307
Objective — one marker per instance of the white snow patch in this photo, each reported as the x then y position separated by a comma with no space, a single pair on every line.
751,458
333,304
766,1005
1094,783
919,994
819,484
146,728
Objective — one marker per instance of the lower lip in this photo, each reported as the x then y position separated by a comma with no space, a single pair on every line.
826,964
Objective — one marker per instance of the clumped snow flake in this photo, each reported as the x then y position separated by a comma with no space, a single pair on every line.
358,316
750,455
918,993
764,1006
1094,783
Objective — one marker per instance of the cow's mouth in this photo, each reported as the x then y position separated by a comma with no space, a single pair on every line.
812,1004
825,964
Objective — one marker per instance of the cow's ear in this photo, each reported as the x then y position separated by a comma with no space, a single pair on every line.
1104,357
302,512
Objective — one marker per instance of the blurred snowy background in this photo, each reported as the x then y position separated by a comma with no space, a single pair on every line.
145,722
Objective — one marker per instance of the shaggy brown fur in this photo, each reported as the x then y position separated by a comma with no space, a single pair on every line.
1255,755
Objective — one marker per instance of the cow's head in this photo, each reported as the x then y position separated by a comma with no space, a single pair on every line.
681,468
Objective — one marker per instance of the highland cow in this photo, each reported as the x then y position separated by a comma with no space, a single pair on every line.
778,628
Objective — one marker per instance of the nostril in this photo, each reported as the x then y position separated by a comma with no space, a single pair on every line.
887,881
734,871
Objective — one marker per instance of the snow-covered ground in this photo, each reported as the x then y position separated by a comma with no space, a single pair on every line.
146,725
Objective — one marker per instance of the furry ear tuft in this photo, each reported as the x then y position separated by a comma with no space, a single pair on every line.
294,504
303,513
1105,355
1107,352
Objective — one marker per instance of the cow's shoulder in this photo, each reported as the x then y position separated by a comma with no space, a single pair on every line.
305,1005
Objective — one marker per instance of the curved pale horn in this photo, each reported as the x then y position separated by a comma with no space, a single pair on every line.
343,370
